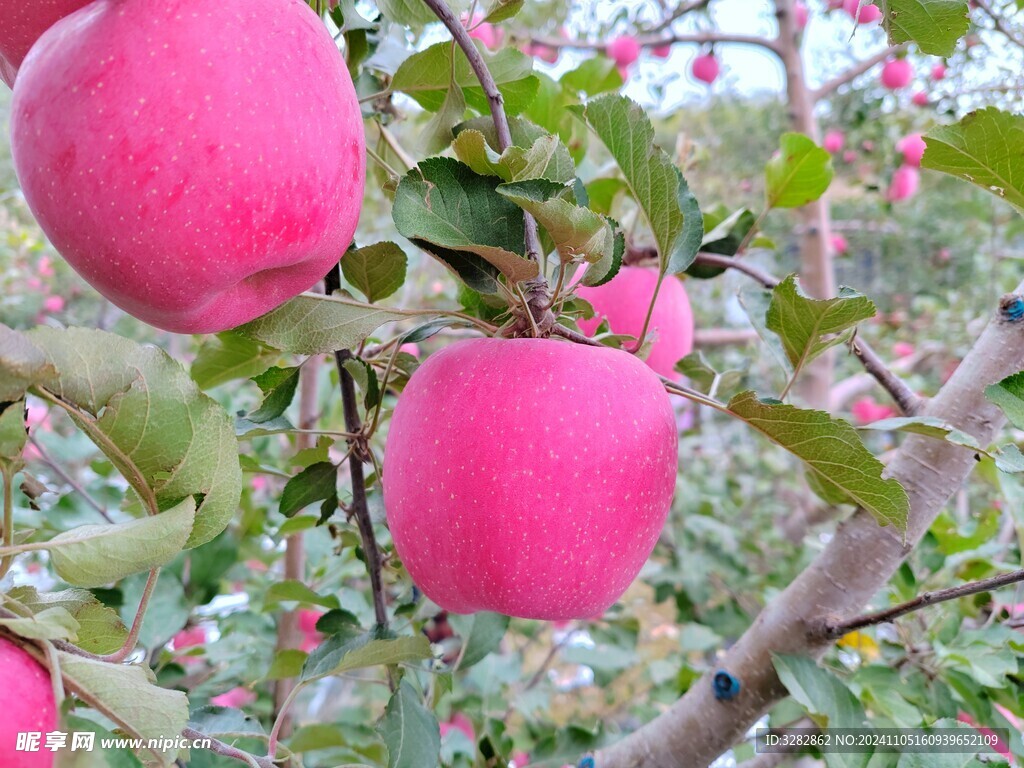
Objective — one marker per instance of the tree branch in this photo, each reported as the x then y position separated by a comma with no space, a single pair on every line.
655,41
858,562
680,11
837,82
218,747
997,22
833,631
360,510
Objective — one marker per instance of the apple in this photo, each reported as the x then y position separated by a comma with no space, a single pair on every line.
485,32
833,141
705,68
839,244
236,698
904,183
920,98
912,148
866,411
897,73
311,638
542,52
662,51
800,14
624,301
939,71
868,13
198,163
27,702
530,477
903,349
624,51
459,722
23,23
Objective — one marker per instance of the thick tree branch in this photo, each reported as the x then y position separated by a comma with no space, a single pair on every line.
837,82
360,509
857,563
832,631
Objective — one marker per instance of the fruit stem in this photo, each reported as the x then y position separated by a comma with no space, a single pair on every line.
7,477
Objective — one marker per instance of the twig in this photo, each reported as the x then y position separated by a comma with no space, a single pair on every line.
67,478
656,41
723,337
831,86
727,262
678,13
218,747
998,23
832,631
133,634
7,478
360,509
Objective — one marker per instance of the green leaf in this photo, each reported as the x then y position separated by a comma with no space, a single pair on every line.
22,364
100,629
809,326
984,148
286,665
1008,394
230,356
407,13
343,653
13,434
99,756
438,133
547,158
376,271
94,555
593,77
723,234
577,232
426,77
656,184
278,386
292,591
798,174
830,448
928,426
827,699
410,731
481,635
318,482
550,110
168,439
705,378
314,324
934,26
127,695
500,10
446,209
54,623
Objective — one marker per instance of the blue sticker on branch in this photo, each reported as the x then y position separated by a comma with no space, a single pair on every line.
1013,307
726,686
586,762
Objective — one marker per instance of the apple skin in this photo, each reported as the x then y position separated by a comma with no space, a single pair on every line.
897,73
199,163
530,477
912,147
26,699
624,50
23,23
624,300
904,184
705,68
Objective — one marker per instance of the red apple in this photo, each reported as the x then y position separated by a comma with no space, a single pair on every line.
833,141
662,51
839,244
912,148
705,68
866,411
624,50
236,698
897,73
938,71
199,163
624,301
26,699
920,98
485,32
800,14
904,183
530,477
868,13
23,23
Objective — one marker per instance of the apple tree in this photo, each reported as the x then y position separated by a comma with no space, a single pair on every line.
363,403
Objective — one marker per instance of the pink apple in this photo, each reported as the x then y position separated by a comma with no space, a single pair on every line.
23,23
903,349
1000,746
662,51
486,33
850,156
912,148
45,267
236,698
307,626
833,141
705,68
530,477
198,163
189,638
867,411
624,50
624,300
519,760
904,183
868,13
26,699
920,98
839,244
800,14
938,71
53,304
542,52
459,722
410,349
897,73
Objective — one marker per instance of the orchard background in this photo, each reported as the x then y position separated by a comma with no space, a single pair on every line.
285,626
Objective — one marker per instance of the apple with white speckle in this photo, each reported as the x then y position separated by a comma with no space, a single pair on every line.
23,23
198,162
530,477
26,699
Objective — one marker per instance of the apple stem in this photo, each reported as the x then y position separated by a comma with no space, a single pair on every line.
360,509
